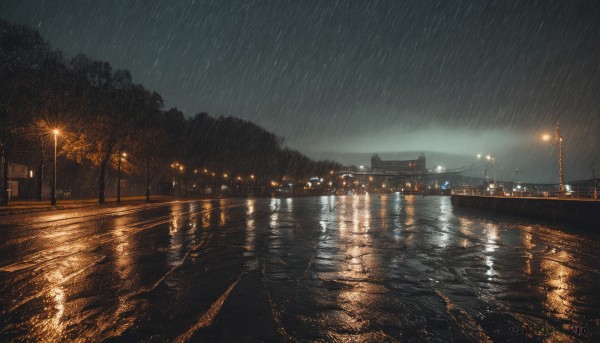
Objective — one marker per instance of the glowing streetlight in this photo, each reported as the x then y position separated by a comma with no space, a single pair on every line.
558,140
174,168
53,195
491,159
121,156
183,171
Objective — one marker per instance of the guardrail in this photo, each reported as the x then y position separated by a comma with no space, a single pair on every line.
531,192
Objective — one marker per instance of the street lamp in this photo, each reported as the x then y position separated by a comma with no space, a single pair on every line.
492,159
121,157
183,170
558,139
594,183
53,195
174,176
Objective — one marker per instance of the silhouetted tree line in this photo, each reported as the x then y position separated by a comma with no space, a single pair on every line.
101,113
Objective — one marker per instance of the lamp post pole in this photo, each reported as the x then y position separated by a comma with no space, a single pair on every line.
594,183
561,182
493,160
173,177
181,178
119,177
484,180
495,183
558,139
53,195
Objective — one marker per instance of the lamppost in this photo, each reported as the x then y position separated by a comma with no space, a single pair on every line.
594,183
558,139
493,160
53,191
182,170
120,156
174,175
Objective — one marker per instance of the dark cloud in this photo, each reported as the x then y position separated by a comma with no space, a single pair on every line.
457,77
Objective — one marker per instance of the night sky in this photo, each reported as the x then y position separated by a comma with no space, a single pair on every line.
344,79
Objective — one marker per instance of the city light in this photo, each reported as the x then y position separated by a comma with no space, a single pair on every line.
53,190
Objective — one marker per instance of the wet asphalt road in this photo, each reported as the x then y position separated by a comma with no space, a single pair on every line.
352,268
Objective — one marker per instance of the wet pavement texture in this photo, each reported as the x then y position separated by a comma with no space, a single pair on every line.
350,268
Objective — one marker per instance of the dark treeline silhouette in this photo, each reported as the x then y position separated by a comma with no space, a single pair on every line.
101,114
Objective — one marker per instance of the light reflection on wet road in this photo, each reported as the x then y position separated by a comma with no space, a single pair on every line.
353,268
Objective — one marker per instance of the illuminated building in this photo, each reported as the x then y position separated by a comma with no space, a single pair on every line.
416,166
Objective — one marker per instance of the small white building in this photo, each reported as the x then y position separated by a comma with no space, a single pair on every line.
16,173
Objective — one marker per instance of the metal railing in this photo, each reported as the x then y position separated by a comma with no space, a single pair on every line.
531,191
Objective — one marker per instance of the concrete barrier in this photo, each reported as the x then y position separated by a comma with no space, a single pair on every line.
584,213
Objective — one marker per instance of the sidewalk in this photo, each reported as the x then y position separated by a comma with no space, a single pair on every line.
30,206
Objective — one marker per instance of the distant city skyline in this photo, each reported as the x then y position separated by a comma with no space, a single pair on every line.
349,79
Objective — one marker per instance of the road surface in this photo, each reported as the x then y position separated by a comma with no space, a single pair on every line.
347,269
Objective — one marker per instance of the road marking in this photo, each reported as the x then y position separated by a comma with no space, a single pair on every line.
208,317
